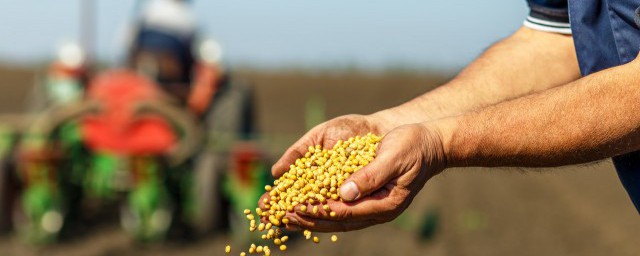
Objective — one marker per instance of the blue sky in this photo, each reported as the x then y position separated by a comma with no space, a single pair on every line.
436,34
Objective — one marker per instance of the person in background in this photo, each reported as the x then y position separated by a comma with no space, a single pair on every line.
562,90
165,45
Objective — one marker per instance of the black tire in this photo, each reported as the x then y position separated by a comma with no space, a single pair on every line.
5,212
207,169
229,120
8,193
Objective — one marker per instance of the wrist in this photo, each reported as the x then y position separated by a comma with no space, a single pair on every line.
446,130
422,109
388,119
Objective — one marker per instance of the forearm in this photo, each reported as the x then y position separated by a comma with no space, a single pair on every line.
509,69
590,119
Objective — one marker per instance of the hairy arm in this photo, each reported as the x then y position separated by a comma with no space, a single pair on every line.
592,118
509,69
526,62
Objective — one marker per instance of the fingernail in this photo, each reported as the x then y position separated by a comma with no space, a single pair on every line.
349,191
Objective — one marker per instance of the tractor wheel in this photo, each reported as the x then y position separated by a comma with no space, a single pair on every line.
5,198
8,179
37,215
147,214
207,206
229,120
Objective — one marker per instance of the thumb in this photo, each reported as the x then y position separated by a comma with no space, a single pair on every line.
370,178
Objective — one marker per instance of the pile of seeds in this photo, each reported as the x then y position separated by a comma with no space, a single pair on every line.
310,182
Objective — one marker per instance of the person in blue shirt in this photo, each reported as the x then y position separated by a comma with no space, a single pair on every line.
563,89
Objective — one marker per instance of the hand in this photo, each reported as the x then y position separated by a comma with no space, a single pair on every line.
408,156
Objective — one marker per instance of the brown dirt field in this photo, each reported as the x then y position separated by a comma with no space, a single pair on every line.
15,85
578,210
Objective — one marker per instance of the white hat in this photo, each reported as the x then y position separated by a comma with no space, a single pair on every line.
169,15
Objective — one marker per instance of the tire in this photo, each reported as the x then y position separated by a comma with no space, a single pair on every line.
8,181
42,226
9,190
5,209
145,225
207,173
230,119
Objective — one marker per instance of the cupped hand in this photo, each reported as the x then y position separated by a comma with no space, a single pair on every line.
408,156
327,135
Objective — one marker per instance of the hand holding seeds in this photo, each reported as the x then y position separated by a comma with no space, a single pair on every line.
311,181
406,158
347,184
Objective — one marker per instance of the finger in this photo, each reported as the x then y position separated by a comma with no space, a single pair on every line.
377,205
293,227
382,206
327,226
309,210
372,177
261,201
261,205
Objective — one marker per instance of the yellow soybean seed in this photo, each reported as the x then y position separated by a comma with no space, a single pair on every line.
247,211
283,247
284,239
274,220
243,254
316,239
227,249
334,238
